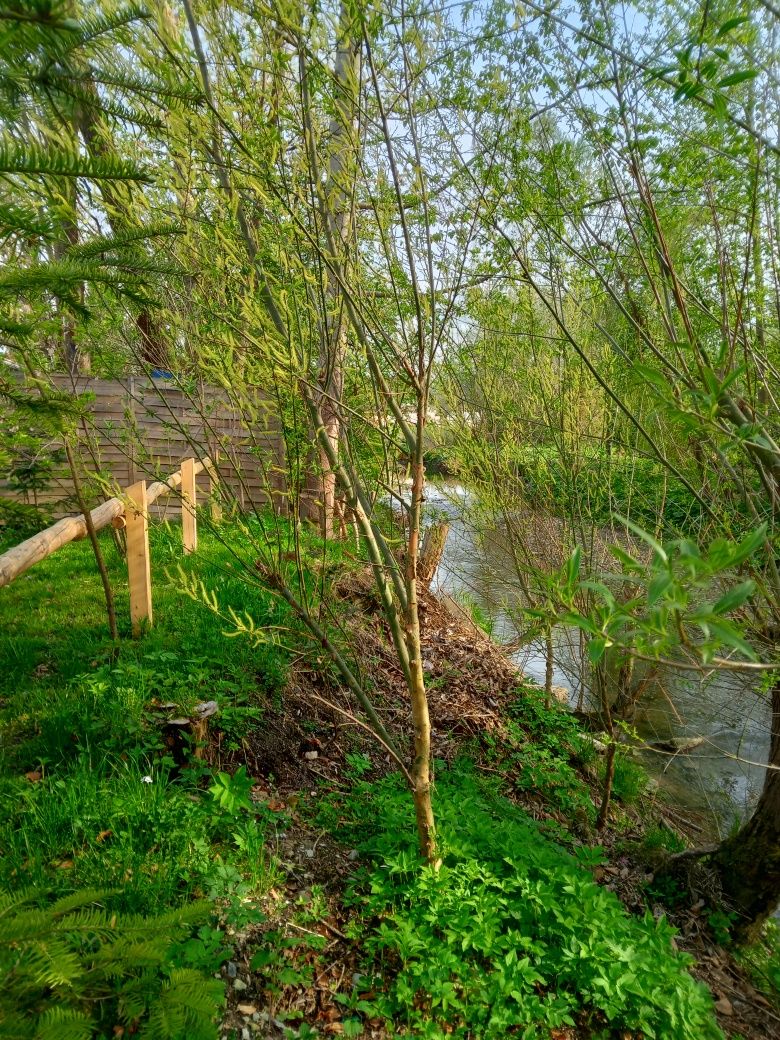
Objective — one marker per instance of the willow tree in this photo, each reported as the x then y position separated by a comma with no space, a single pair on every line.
316,165
675,235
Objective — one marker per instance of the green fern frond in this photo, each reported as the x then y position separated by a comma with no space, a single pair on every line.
24,220
102,244
69,961
149,87
91,27
87,896
71,87
59,162
59,1023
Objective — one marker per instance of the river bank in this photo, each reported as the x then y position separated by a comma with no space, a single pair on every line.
720,779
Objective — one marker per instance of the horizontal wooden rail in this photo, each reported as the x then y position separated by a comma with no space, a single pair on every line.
72,528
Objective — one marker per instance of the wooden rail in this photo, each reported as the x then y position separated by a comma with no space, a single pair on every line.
130,511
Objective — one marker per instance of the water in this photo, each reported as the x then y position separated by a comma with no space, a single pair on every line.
723,777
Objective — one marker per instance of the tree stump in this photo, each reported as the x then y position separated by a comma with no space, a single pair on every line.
434,540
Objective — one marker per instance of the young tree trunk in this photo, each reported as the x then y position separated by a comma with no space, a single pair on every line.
549,665
108,592
749,862
421,767
600,678
339,215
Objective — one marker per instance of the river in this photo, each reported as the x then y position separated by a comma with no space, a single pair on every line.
721,778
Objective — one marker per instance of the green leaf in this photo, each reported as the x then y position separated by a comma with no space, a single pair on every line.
734,598
738,77
658,587
732,23
720,106
596,649
646,537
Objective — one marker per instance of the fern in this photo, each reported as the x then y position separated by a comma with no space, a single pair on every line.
62,162
73,966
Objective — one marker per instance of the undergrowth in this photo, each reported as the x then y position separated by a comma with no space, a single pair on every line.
511,936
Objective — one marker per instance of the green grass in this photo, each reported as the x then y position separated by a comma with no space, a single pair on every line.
91,797
111,808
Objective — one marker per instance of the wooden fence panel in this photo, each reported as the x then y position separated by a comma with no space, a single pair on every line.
140,428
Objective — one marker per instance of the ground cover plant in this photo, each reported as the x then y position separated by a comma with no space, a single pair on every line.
511,936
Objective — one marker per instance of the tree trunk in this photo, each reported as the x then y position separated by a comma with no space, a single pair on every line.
108,592
119,206
421,767
339,205
549,666
749,862
600,679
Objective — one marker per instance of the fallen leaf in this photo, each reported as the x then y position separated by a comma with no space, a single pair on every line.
34,776
103,835
724,1006
65,864
247,1009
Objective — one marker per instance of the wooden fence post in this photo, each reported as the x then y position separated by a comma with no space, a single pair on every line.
139,571
189,502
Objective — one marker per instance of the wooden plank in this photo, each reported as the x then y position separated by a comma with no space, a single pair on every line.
189,505
139,569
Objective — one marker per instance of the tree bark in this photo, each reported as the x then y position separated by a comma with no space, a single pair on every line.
421,767
748,863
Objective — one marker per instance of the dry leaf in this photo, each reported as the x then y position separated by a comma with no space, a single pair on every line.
34,776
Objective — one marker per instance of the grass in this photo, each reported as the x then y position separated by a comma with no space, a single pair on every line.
89,792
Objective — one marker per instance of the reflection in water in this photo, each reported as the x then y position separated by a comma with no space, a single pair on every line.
724,775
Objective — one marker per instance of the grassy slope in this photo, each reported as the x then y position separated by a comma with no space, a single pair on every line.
89,729
90,798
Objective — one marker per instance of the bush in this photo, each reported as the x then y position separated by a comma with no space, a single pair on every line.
511,935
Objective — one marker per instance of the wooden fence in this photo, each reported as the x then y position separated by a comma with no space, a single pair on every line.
141,427
131,512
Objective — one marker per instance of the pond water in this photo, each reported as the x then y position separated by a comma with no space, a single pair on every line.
722,777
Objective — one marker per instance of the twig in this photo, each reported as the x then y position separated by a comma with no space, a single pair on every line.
365,726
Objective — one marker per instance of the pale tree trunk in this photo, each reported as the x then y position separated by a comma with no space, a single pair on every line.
433,545
74,359
339,207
